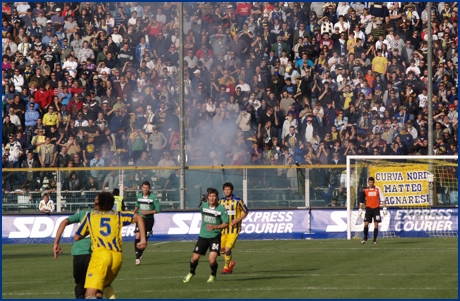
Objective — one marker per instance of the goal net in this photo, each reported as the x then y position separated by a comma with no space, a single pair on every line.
421,194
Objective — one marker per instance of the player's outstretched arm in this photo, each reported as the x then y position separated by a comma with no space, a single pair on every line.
243,215
57,248
83,230
214,227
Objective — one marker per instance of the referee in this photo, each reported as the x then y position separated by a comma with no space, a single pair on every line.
146,206
373,196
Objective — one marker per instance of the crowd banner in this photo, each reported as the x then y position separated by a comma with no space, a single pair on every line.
258,225
403,185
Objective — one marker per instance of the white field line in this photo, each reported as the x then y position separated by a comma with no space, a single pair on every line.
250,289
251,275
311,250
160,243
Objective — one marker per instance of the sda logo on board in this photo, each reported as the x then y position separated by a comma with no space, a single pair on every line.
46,227
340,222
39,227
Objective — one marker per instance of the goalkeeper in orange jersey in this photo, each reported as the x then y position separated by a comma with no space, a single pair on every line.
237,211
373,196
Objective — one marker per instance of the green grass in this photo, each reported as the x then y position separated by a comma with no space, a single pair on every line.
395,268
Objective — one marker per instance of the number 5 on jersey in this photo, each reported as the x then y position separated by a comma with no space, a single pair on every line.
105,224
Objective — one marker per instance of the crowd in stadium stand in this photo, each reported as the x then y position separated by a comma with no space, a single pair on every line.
96,84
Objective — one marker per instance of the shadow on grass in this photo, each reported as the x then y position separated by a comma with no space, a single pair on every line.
34,255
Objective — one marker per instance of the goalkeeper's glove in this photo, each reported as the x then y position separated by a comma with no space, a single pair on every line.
360,212
385,212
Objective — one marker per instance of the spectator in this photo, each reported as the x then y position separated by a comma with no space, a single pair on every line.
51,118
30,162
46,205
47,158
111,181
97,161
72,181
163,175
241,62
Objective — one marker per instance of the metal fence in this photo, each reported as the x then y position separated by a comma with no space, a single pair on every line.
72,201
261,187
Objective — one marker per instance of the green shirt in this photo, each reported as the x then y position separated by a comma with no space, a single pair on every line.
149,203
82,246
215,216
138,143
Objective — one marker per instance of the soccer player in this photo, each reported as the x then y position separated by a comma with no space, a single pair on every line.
373,196
81,251
237,211
214,218
104,227
148,205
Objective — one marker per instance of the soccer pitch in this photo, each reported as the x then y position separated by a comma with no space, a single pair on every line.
395,268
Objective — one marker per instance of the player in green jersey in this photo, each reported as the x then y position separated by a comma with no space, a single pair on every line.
146,206
214,218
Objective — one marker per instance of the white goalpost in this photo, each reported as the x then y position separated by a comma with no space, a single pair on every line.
412,186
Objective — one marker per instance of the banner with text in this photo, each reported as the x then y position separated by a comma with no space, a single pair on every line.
258,225
430,222
403,185
169,226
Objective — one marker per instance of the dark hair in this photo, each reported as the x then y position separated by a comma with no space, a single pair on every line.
146,183
213,191
106,201
228,184
371,179
116,192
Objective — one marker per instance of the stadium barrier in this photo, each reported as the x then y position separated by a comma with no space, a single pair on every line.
259,224
261,187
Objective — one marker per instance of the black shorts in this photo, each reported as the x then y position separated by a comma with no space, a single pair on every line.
148,223
203,244
80,267
373,213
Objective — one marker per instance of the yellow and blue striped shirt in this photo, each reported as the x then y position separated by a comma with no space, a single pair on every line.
105,228
235,208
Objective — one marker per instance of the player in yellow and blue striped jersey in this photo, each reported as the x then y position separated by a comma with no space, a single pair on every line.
237,211
104,227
